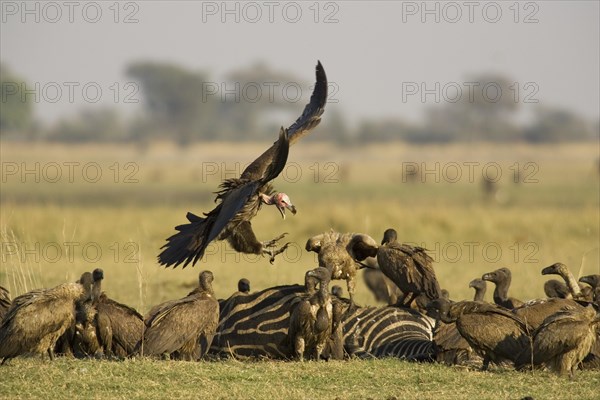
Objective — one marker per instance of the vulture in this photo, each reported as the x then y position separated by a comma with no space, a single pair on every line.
183,328
480,288
408,267
340,253
312,319
563,340
337,291
594,282
239,199
4,302
556,289
244,286
534,312
38,318
502,277
114,327
382,287
562,270
492,331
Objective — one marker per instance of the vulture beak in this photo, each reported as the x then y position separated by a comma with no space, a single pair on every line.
486,277
548,270
291,207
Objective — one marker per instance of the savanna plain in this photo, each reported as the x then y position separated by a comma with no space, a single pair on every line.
70,209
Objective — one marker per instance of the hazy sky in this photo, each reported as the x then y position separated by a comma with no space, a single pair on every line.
371,50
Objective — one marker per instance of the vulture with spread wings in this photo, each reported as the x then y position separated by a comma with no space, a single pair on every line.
239,199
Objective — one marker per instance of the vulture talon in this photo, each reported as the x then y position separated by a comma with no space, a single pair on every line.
278,251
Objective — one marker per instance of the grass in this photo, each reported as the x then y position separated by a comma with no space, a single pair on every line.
52,232
355,379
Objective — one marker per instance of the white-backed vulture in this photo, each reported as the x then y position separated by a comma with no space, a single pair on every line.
563,340
492,331
339,253
312,318
38,318
480,288
410,268
502,278
183,328
562,270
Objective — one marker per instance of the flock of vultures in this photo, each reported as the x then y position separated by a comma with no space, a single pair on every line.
311,320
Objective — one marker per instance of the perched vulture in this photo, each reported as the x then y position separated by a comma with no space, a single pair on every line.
312,319
4,302
562,270
38,318
492,331
502,277
408,267
116,327
244,286
480,288
563,340
183,328
340,253
240,199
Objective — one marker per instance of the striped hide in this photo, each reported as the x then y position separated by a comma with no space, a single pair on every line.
256,325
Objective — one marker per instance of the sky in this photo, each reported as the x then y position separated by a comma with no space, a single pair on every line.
384,59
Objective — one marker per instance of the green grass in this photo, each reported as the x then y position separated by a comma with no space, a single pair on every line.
355,379
532,225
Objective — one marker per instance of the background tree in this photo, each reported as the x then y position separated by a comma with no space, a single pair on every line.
16,113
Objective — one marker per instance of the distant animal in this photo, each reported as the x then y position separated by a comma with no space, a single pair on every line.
480,288
492,331
240,199
38,318
563,340
502,278
311,320
183,328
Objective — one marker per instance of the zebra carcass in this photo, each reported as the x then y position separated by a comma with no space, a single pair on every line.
256,325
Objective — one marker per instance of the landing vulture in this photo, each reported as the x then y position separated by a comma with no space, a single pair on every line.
240,199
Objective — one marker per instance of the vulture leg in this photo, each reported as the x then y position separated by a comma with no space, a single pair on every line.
268,247
486,363
407,303
299,347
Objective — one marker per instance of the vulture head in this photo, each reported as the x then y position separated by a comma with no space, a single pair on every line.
440,309
281,201
323,275
205,282
556,269
478,284
499,275
337,291
86,281
389,236
244,285
592,280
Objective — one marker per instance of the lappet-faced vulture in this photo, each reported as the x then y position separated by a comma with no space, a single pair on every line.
240,199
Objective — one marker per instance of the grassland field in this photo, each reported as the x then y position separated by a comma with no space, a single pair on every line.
70,209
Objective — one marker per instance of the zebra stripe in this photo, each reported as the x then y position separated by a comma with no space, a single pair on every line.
256,325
